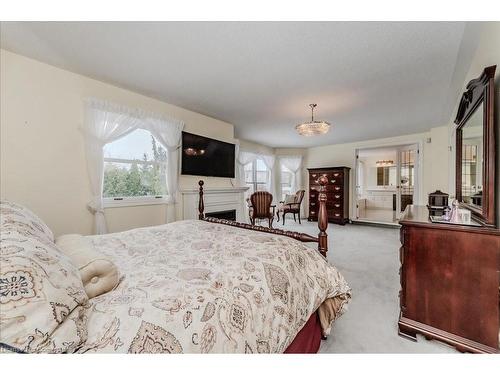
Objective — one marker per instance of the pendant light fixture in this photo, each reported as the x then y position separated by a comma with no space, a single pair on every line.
312,127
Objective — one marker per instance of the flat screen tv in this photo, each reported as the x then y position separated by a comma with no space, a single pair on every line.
202,156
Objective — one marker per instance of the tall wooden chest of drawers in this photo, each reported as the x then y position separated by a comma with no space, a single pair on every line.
337,193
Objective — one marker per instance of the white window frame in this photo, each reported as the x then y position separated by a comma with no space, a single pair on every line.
145,200
254,176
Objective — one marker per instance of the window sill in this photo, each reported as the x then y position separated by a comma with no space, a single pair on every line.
131,202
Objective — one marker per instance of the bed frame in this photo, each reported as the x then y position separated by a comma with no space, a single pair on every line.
321,239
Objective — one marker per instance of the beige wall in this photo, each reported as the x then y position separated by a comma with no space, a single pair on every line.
261,149
255,147
42,155
434,158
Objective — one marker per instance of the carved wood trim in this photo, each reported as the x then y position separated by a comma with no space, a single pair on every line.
472,97
322,238
479,90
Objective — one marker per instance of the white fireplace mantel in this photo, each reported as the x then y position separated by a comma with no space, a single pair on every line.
215,199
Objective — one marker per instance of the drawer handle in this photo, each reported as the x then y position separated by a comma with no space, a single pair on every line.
333,181
335,175
313,204
337,215
314,175
312,212
337,196
337,205
337,188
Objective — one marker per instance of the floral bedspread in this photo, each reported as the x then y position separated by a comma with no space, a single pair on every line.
199,287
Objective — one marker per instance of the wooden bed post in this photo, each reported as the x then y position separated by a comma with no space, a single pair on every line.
201,205
322,217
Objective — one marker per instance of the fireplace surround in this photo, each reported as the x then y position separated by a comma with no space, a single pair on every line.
217,202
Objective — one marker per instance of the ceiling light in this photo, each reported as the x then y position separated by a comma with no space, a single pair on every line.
313,127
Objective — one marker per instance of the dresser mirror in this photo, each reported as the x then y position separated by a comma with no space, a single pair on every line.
475,148
472,159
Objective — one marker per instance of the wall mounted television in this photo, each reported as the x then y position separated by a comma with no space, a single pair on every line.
202,156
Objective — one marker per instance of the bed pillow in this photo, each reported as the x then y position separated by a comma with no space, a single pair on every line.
20,219
99,274
41,292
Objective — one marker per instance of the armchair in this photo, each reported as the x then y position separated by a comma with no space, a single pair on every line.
291,204
260,207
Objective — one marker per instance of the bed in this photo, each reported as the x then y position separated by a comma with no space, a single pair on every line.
193,286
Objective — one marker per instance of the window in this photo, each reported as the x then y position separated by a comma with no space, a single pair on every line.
469,173
256,176
134,168
286,182
407,172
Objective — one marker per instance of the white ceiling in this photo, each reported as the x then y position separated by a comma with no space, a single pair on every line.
369,79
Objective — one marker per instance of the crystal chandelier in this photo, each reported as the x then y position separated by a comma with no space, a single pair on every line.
313,127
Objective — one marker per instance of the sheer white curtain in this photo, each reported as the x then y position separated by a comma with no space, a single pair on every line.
168,132
103,123
272,186
294,165
243,158
106,122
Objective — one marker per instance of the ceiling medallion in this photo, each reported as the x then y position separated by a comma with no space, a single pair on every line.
313,127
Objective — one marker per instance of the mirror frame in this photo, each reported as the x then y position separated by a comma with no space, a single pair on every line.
479,90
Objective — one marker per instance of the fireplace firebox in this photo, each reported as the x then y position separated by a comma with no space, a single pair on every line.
228,215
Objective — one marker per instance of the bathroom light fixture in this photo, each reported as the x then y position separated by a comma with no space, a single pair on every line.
384,163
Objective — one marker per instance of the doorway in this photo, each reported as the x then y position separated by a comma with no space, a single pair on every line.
386,182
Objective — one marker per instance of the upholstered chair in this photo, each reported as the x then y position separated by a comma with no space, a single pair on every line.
261,207
291,204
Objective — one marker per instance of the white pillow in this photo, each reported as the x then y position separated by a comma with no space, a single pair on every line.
99,274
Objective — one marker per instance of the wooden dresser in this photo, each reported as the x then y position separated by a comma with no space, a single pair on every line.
450,276
337,193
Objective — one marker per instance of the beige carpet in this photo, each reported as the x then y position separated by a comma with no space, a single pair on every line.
368,258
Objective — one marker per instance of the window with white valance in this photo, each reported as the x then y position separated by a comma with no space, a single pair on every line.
258,172
256,176
286,182
291,174
290,168
105,123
